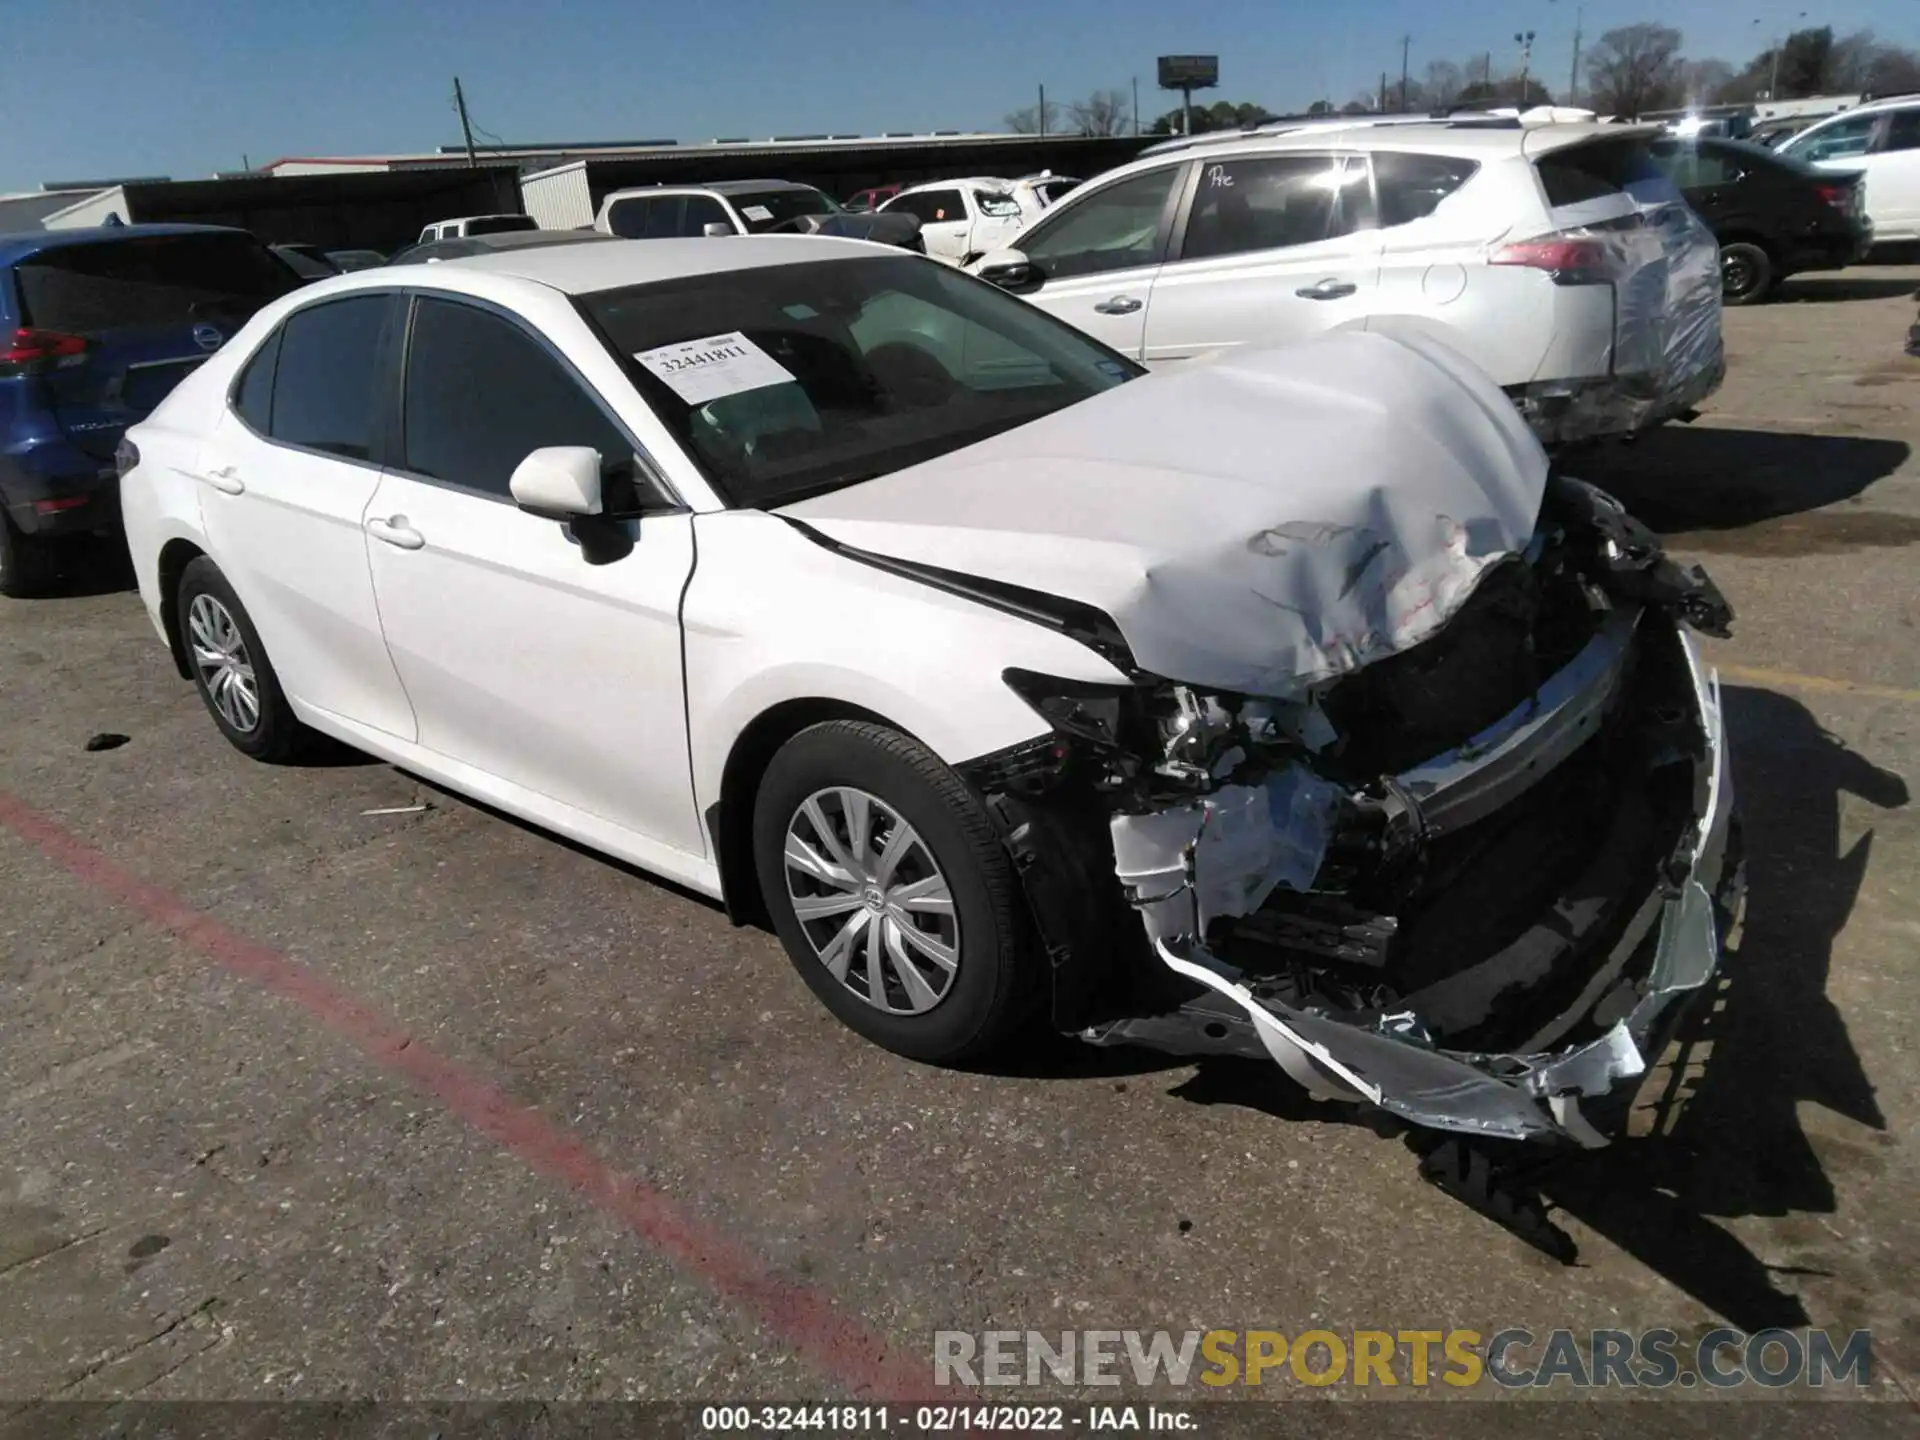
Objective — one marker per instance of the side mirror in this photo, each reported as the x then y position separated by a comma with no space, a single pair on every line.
558,482
714,229
1010,270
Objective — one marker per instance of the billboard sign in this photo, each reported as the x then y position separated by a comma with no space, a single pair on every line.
1189,72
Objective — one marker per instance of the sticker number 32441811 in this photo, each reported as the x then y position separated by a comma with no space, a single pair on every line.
709,369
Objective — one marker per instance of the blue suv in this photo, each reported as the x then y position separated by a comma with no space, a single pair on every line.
96,326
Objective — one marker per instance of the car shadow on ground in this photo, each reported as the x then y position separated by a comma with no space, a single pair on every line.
1701,477
1824,289
86,565
1715,1133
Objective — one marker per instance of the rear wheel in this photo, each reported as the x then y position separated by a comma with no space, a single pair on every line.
1746,273
231,669
26,562
892,894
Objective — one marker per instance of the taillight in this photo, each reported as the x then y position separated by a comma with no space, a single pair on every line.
1840,197
1571,261
33,352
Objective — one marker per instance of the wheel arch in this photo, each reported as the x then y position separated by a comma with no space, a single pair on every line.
729,819
175,556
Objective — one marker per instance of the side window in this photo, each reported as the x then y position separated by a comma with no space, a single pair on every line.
1903,132
702,211
1411,187
1835,141
934,207
482,394
997,204
1113,228
628,218
1713,166
1270,202
253,396
664,217
325,382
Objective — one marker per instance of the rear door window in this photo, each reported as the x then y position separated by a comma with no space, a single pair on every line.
1834,141
702,211
1411,187
150,281
1273,202
1903,131
664,216
326,383
629,218
931,207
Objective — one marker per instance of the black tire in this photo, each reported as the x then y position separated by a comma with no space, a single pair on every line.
26,562
991,994
1746,273
277,736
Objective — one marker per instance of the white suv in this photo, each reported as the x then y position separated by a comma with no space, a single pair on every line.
1557,257
470,225
961,220
1881,140
728,207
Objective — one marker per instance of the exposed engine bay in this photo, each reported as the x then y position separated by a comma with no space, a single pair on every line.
1472,882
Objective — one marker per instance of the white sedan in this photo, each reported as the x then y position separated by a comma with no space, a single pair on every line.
1281,707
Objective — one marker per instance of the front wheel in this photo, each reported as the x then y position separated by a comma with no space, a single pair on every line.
894,898
1746,273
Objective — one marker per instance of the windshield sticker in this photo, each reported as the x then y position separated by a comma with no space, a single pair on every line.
720,365
801,312
756,212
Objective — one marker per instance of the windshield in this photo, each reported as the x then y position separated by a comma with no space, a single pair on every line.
764,209
150,280
996,203
792,380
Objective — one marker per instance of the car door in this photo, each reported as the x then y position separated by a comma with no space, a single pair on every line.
1271,248
1093,259
1893,179
286,474
944,224
524,662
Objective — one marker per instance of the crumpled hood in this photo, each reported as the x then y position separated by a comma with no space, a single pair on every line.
1255,523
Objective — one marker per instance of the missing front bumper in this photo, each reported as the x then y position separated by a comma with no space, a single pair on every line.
1544,1093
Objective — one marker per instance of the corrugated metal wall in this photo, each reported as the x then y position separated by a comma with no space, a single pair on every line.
559,199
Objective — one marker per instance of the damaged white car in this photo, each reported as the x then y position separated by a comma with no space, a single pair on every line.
1286,706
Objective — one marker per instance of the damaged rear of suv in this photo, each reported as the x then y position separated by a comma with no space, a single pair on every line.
1472,883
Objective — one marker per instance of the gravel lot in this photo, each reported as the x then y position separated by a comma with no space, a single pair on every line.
307,1102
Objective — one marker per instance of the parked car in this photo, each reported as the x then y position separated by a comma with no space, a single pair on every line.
96,326
960,220
730,207
873,199
1002,678
1555,256
469,225
309,262
1036,192
347,260
1880,139
1772,215
757,207
461,248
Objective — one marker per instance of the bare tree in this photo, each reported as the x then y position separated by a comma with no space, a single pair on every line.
1104,112
1633,69
1445,80
1702,81
1028,121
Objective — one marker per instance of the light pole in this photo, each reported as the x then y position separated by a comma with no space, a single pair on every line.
1524,39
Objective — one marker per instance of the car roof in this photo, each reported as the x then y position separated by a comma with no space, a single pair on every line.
33,242
718,187
948,184
614,264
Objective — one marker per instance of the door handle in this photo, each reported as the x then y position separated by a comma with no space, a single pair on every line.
226,480
1327,290
1118,305
396,531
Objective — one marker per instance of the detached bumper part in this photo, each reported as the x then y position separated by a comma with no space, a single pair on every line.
1392,1062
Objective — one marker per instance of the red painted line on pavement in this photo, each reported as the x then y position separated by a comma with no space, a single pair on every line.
803,1318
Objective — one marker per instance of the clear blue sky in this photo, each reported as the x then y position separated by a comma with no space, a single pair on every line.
184,87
